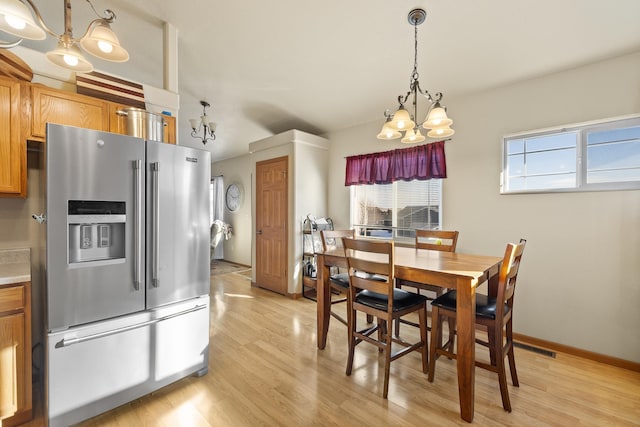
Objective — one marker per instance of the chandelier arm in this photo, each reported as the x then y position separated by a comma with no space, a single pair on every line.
39,18
109,15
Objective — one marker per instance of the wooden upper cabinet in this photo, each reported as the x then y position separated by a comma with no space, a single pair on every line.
66,108
13,154
169,129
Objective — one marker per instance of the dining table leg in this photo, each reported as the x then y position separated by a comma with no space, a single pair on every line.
466,315
323,295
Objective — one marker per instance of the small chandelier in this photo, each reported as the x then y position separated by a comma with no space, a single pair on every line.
401,121
98,39
203,124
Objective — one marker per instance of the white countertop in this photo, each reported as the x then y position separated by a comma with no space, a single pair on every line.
15,266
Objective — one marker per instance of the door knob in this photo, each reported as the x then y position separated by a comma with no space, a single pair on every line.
259,232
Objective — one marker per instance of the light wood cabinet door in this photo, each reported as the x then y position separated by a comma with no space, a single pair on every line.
66,108
15,354
13,154
169,129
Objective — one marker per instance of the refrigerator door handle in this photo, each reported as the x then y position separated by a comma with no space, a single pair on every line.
155,282
137,233
66,342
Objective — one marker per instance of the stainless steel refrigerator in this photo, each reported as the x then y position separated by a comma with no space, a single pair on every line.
127,269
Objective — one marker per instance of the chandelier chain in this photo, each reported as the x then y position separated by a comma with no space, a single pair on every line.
415,76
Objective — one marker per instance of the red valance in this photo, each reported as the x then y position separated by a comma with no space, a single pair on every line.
420,162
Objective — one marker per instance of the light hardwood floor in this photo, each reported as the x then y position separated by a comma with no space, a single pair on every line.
265,370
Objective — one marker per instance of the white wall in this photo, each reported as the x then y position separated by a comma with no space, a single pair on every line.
580,279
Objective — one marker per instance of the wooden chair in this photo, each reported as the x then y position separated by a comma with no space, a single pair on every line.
435,240
331,240
373,293
495,313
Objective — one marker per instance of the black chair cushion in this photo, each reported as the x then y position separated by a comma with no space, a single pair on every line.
401,299
485,306
342,279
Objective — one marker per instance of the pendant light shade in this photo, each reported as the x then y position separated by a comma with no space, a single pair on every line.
103,43
441,132
387,132
16,19
412,136
69,57
401,120
437,118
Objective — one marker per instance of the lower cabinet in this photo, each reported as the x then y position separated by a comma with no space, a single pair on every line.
15,354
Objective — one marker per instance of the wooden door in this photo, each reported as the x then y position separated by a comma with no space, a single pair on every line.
271,224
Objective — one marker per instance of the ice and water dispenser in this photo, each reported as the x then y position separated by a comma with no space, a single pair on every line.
96,230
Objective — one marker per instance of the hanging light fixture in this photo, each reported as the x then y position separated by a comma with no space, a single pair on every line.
203,124
401,121
99,39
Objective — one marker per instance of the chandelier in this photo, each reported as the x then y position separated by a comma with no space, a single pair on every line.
402,121
203,124
99,39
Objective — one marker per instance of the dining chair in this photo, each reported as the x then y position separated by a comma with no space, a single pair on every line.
332,240
434,240
373,293
493,312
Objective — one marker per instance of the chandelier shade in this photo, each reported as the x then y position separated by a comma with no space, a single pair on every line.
412,136
388,132
103,43
17,19
437,117
402,120
69,56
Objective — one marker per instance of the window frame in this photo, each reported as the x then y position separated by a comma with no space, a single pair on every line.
582,130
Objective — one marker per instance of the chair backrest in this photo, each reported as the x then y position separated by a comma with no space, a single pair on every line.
437,240
508,276
332,239
369,262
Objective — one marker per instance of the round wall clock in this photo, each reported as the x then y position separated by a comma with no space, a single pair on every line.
233,197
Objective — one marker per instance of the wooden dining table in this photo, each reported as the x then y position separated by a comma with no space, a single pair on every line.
463,272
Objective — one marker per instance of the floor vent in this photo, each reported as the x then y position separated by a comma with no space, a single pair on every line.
535,349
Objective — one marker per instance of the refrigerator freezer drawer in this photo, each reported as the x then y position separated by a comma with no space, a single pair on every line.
98,367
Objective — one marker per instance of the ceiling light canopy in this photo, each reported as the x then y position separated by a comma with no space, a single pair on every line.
203,124
16,18
402,120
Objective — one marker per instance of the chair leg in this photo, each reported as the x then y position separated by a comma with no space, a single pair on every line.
512,357
436,341
387,363
502,378
382,331
422,316
396,326
351,327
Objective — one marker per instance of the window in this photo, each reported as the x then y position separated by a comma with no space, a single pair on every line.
583,157
396,210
